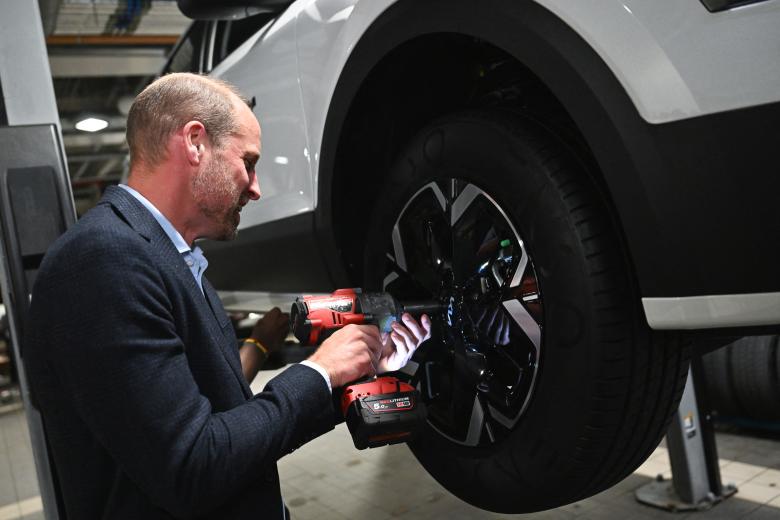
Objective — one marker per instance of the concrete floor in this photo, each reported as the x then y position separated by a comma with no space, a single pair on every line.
329,480
388,483
19,496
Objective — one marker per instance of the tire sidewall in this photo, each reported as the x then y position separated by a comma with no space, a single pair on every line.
507,161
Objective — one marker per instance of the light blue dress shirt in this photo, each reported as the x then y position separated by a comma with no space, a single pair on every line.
192,257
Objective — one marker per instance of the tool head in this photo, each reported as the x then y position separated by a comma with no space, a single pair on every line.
419,308
299,322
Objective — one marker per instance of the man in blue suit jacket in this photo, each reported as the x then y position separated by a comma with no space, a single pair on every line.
130,354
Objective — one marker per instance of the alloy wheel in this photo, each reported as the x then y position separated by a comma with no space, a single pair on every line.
453,242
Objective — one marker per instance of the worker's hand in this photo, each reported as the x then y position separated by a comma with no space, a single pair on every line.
271,329
349,354
400,344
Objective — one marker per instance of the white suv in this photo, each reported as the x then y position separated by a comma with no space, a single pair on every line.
591,186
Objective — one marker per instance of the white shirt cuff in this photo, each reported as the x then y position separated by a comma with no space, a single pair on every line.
322,371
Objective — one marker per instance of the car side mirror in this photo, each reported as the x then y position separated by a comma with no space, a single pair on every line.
229,9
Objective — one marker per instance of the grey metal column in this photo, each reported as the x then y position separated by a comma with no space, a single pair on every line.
36,203
686,449
696,482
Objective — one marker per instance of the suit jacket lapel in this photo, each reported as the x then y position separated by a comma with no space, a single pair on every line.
139,218
209,304
230,345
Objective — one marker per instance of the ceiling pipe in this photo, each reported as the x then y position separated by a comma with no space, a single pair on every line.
99,39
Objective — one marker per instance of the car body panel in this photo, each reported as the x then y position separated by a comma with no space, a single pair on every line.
677,60
328,32
284,168
303,52
648,80
706,312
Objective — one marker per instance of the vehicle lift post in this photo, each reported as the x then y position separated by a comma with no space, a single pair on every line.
36,202
696,483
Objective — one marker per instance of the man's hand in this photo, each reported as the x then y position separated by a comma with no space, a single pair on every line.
271,329
357,351
400,344
350,354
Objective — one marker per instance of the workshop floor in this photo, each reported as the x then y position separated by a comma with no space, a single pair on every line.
329,480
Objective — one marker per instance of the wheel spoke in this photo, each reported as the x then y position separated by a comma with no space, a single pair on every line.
417,237
519,271
525,321
398,248
397,275
476,423
398,242
453,241
502,419
465,199
390,278
437,254
471,236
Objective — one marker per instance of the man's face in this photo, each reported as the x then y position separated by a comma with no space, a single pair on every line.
227,181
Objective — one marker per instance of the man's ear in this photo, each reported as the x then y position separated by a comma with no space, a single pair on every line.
194,142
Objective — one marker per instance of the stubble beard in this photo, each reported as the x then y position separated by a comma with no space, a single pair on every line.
218,198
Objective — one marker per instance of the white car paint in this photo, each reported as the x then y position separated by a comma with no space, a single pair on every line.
265,67
675,60
328,32
707,312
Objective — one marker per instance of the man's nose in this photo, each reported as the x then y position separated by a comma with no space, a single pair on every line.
254,188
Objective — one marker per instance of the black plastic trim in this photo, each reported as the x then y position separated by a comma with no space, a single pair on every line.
3,112
279,256
695,198
229,9
186,34
715,201
715,6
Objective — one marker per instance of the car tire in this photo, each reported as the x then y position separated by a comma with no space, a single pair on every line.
753,364
599,389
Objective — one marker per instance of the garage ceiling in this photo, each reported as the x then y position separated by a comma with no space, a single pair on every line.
102,53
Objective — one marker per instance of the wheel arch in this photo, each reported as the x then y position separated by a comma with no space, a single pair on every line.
408,68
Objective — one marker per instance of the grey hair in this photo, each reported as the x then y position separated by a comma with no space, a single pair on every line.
169,103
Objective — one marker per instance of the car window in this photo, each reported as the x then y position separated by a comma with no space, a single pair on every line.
231,34
187,56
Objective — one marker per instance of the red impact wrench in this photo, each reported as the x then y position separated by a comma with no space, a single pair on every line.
381,410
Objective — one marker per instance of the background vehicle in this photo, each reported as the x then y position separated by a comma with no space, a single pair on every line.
586,184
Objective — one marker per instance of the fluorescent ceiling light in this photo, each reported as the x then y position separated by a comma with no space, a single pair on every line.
91,124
